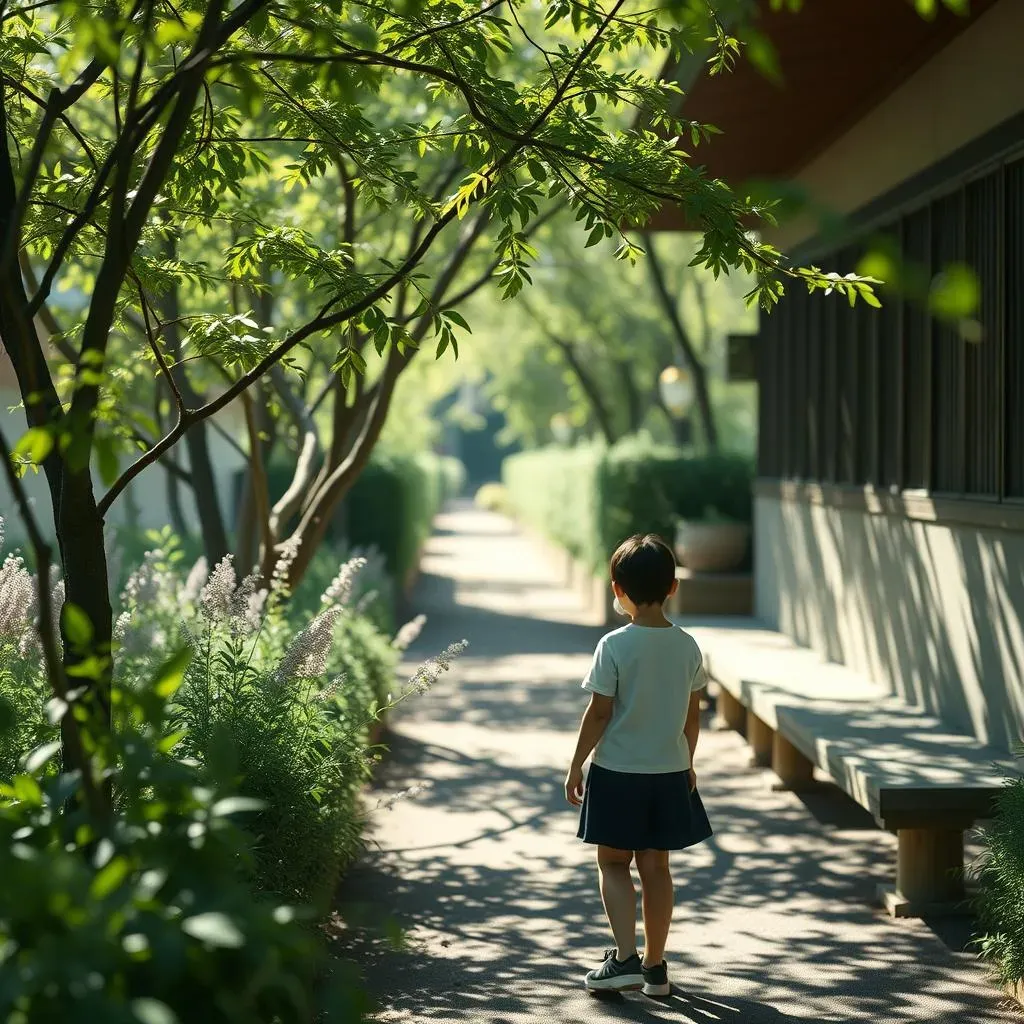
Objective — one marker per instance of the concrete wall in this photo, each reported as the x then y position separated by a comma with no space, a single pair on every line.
970,87
933,610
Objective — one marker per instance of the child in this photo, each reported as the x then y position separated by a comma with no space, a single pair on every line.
641,796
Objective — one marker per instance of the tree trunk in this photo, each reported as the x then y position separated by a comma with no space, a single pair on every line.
634,403
313,525
688,352
77,522
84,558
589,388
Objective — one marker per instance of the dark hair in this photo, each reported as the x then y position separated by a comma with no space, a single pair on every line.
645,567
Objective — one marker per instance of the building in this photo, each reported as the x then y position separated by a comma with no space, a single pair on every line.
889,522
144,503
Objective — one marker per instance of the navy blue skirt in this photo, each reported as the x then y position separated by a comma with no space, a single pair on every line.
642,812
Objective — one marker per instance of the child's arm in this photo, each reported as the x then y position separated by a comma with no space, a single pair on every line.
691,730
595,721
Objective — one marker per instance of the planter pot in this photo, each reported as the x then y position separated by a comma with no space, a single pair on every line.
712,547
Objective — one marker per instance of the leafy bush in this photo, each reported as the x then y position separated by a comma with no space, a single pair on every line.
164,910
288,693
288,707
392,506
1000,900
492,498
143,917
588,498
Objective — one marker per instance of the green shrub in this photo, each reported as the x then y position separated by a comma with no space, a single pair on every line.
170,912
23,722
588,498
269,688
145,917
392,506
492,498
1000,899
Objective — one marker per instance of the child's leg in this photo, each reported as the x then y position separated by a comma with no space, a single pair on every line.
656,885
619,897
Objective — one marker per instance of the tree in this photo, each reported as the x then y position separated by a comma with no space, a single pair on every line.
592,337
134,132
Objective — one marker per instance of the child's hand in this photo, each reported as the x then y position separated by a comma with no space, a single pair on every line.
574,786
693,780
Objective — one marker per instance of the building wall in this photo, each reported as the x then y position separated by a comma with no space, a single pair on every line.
934,610
144,503
970,87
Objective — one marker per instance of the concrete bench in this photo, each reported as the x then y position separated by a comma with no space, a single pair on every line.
915,775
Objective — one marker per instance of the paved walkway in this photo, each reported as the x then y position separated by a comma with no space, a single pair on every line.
499,901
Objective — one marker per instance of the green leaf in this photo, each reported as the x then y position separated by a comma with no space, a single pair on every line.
110,878
537,170
595,236
215,930
77,626
34,445
457,318
955,293
106,460
171,674
153,1011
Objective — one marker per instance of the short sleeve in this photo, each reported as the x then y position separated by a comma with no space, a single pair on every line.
603,677
700,677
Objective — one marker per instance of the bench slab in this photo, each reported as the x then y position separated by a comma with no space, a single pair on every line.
906,767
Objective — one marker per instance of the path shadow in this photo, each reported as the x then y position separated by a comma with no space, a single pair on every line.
498,905
517,932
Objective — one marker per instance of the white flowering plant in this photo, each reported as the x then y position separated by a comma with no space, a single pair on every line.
278,697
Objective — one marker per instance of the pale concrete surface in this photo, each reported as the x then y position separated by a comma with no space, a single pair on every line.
499,901
872,743
934,611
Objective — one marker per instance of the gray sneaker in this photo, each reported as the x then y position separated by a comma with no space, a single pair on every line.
617,976
656,980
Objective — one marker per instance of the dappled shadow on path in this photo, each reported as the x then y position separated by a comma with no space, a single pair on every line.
498,902
774,920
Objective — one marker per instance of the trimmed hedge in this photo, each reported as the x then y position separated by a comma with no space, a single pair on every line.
393,503
589,498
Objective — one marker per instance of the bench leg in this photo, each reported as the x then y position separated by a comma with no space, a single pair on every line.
929,873
795,771
732,713
759,736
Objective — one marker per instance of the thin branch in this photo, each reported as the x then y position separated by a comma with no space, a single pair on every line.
474,286
58,338
172,466
18,11
155,348
448,26
226,436
62,117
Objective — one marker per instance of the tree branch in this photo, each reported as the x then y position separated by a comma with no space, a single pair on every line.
689,353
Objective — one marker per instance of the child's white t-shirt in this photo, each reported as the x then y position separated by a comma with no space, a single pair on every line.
651,673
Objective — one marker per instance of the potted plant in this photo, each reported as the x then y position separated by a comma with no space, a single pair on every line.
713,543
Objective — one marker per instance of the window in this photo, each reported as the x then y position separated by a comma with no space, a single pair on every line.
894,398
